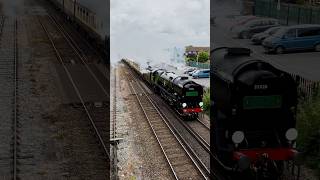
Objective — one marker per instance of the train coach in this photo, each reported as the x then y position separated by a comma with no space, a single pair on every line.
90,18
182,94
254,107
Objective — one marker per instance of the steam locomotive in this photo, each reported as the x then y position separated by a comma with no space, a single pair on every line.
181,93
254,107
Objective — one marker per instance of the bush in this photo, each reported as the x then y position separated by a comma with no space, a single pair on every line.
191,58
203,57
206,101
308,125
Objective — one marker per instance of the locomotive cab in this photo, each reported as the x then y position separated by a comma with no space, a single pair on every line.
254,107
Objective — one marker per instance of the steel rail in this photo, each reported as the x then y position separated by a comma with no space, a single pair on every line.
77,50
106,151
203,123
174,132
196,136
15,103
114,126
201,141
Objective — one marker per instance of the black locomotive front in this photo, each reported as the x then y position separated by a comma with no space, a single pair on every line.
181,93
254,107
189,96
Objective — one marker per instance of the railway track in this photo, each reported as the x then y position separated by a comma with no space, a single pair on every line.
174,148
204,123
84,48
200,130
197,143
83,59
113,135
9,97
96,112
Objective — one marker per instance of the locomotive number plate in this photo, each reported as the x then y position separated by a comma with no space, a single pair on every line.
260,86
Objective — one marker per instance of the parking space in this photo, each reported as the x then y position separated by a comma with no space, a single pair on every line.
205,82
305,64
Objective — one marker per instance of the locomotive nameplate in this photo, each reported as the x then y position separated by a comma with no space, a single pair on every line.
192,93
262,102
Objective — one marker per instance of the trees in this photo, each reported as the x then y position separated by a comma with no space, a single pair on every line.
191,58
203,57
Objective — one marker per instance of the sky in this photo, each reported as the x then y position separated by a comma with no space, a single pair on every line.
143,30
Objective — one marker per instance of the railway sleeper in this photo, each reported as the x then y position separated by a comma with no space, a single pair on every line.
173,150
166,137
174,156
180,161
160,129
168,145
185,169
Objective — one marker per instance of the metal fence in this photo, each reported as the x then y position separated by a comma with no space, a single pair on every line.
307,89
198,65
288,14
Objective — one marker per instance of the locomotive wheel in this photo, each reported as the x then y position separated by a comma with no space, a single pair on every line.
317,47
279,50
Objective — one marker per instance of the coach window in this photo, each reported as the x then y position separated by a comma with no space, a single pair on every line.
87,17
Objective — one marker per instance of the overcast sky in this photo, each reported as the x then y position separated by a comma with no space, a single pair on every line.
143,29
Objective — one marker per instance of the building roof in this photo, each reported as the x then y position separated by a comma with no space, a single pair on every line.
197,49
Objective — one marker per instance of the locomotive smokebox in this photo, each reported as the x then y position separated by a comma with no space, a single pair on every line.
245,87
253,106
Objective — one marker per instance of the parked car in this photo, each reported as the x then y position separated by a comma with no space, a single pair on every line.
189,69
258,38
191,72
255,26
242,20
298,37
203,73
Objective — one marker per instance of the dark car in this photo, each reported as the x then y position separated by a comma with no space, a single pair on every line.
258,38
242,20
204,73
190,69
292,38
255,26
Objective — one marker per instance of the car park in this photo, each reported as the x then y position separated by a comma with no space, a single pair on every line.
248,29
297,37
203,73
258,38
189,69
